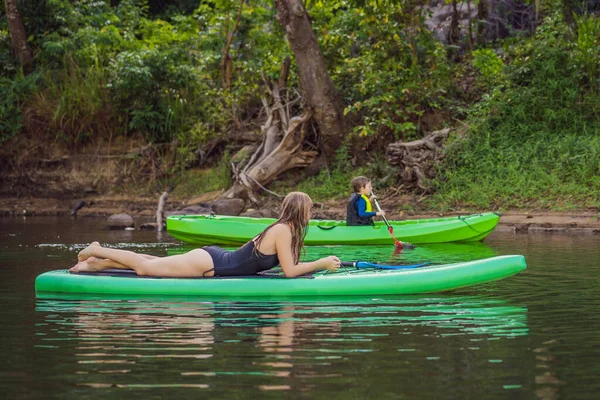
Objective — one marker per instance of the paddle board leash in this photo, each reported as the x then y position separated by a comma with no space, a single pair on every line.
397,243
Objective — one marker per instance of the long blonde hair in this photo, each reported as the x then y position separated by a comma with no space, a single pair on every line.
295,212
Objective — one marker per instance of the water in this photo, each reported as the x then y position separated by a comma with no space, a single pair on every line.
531,336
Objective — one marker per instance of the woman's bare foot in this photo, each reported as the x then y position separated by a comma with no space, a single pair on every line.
87,252
89,265
93,264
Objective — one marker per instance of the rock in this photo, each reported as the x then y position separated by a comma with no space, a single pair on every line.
498,21
229,206
120,221
522,227
440,17
192,210
148,226
203,198
147,213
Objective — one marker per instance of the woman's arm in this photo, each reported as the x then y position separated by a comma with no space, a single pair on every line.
283,245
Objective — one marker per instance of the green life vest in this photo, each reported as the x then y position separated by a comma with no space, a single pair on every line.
369,206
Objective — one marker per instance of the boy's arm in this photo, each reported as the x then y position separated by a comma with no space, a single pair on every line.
362,208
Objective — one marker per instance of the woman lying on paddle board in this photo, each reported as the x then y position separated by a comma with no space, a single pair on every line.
279,244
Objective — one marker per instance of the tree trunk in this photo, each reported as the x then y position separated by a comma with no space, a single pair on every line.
454,29
227,61
483,11
470,41
287,140
283,146
18,36
317,87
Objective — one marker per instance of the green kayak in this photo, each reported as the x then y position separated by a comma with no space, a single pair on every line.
226,230
348,281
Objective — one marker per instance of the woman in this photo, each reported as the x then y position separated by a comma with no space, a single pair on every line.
279,244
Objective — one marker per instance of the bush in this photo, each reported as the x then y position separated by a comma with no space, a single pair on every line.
13,94
534,141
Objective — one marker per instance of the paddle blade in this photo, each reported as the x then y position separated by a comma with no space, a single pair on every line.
397,243
406,245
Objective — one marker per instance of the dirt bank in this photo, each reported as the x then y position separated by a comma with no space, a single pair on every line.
585,222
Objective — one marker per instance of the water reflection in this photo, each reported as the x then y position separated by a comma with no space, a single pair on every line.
546,378
109,343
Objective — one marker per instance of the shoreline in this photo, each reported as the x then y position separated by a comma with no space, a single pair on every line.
576,222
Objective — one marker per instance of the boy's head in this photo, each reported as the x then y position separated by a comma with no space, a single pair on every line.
361,184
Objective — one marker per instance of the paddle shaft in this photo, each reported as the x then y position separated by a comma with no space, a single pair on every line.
382,216
366,264
390,229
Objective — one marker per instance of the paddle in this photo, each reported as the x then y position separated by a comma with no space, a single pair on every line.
397,243
366,264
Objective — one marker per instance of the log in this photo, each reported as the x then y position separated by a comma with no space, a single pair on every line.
287,155
159,212
418,159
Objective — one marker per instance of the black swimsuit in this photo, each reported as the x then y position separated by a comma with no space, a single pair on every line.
243,261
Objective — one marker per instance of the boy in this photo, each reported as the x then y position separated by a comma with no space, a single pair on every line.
359,210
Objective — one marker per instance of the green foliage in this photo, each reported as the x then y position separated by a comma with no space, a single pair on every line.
13,93
587,49
164,76
8,64
387,66
488,64
534,141
71,105
155,72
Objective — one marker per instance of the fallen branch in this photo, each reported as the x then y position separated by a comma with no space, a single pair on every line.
418,159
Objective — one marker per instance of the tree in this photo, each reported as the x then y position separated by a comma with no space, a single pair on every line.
227,62
284,144
317,87
18,36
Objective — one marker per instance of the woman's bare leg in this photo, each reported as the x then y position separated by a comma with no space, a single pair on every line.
84,254
194,263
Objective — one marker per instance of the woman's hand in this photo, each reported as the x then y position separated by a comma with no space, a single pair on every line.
380,213
331,263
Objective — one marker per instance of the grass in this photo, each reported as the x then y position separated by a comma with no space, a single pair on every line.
197,181
326,185
534,143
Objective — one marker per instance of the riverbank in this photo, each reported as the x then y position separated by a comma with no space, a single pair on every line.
583,221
